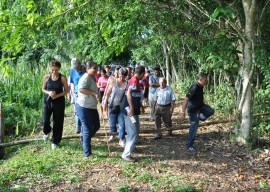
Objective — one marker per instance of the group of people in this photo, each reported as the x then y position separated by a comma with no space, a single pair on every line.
122,96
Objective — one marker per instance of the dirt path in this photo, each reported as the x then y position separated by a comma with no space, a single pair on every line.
218,166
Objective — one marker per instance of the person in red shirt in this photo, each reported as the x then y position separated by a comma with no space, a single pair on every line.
98,75
146,87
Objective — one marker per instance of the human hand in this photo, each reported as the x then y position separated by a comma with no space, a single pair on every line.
142,109
171,110
53,95
97,96
131,111
182,116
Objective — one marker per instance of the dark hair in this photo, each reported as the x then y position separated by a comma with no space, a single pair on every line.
202,75
117,68
103,71
139,70
107,66
123,71
90,64
157,68
55,63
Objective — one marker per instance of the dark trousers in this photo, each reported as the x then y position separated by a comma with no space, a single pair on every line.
56,109
163,113
205,112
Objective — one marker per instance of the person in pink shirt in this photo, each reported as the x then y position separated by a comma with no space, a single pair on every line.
102,83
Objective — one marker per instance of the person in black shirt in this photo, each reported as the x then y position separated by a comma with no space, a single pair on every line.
55,88
196,109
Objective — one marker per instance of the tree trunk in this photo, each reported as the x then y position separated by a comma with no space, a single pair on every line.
244,107
167,60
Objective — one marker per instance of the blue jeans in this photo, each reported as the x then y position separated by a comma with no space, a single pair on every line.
133,130
117,118
77,120
90,125
205,112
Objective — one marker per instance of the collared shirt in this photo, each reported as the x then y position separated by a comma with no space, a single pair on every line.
164,96
74,78
153,79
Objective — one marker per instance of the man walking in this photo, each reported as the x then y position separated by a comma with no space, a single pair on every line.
75,75
197,110
153,84
164,99
131,109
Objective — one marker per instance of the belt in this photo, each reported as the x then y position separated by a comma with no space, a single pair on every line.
165,105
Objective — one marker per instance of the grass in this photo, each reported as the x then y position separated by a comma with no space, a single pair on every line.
35,166
31,166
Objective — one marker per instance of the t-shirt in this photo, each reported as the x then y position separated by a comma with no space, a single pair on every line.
87,101
74,78
97,76
102,81
195,97
134,86
153,79
146,80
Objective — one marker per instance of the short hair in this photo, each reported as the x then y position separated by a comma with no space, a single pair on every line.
117,68
161,79
123,71
90,64
55,63
202,75
157,68
75,63
107,66
139,70
103,71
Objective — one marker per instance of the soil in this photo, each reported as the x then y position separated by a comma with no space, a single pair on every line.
219,165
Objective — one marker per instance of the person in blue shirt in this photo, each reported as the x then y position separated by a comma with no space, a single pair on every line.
153,85
164,101
196,108
75,75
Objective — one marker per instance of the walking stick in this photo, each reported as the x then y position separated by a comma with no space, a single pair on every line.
106,135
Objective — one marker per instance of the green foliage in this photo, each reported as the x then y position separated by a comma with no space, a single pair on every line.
20,120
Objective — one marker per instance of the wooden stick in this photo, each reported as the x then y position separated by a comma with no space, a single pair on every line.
182,126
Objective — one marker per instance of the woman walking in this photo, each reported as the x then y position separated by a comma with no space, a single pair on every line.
54,103
86,106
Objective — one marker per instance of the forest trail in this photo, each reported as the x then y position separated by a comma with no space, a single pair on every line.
218,166
163,165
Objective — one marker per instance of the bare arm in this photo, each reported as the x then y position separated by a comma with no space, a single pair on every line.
184,107
130,102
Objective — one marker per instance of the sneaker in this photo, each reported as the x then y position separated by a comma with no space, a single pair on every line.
192,150
53,146
157,137
111,138
46,137
122,142
129,159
